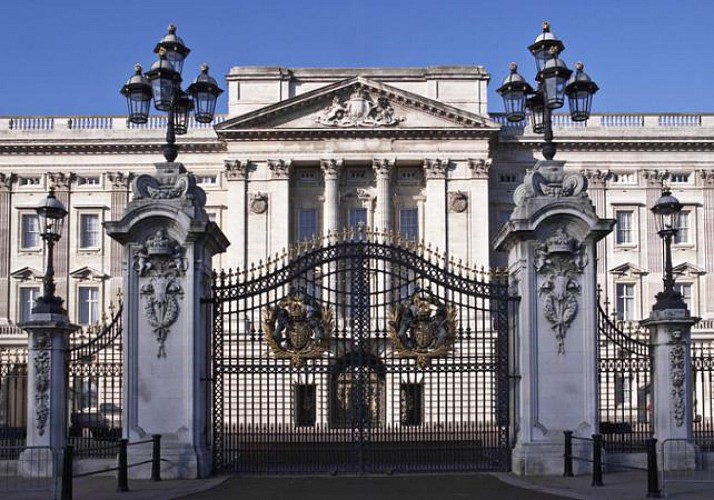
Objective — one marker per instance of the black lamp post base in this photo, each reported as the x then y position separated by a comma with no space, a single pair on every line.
48,305
668,299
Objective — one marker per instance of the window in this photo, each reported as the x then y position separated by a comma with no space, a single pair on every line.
307,224
30,237
411,399
679,178
358,217
685,290
409,223
88,305
625,301
625,178
28,296
88,181
29,181
305,413
206,179
682,235
623,235
623,389
89,231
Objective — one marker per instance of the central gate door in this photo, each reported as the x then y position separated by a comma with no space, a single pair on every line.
360,356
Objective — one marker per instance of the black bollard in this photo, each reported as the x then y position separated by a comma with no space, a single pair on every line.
653,490
123,472
67,459
156,458
597,460
568,456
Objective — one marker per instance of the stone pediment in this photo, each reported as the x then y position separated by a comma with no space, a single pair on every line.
687,269
358,106
628,270
88,274
27,274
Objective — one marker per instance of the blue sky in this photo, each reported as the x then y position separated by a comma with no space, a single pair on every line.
70,57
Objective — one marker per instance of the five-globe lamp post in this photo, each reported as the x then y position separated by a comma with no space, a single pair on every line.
51,214
554,82
162,83
666,211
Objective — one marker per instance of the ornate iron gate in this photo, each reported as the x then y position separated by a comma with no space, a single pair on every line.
364,353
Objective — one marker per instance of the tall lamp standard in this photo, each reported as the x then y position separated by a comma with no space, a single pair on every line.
51,214
666,211
554,82
163,83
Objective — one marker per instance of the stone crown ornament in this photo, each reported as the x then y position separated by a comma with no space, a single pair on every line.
360,110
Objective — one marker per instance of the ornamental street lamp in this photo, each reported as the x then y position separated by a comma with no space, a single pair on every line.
555,82
666,211
51,214
162,83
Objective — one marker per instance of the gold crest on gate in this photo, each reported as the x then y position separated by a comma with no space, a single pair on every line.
423,327
298,327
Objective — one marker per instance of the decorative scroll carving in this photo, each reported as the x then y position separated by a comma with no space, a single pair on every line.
331,168
236,169
436,169
119,180
707,176
172,182
655,178
480,168
42,344
382,168
458,201
161,260
423,327
597,178
298,327
676,363
280,168
550,180
6,181
559,260
61,180
258,203
360,110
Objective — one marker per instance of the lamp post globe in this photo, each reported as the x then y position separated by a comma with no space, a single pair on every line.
555,82
666,211
162,83
50,213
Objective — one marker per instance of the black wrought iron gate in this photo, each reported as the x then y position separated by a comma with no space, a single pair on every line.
360,355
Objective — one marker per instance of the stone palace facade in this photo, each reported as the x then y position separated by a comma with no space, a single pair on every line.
306,152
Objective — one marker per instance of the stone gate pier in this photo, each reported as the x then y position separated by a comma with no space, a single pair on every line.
551,244
168,243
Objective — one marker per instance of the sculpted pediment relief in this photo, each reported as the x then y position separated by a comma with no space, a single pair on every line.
628,270
27,274
357,105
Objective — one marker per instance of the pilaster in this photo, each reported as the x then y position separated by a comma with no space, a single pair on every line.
236,173
279,212
6,182
119,183
383,210
597,183
62,182
435,229
707,185
331,174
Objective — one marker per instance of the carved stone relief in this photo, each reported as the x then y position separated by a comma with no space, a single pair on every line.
655,178
559,261
480,168
360,110
259,203
458,201
280,169
436,169
676,362
161,262
119,180
42,344
236,169
550,181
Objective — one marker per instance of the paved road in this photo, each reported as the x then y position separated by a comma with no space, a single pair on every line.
422,487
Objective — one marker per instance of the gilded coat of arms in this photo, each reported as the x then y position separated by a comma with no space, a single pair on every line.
423,327
298,327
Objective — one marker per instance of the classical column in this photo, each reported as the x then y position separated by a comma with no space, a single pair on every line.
236,174
670,335
168,244
331,213
6,181
654,180
472,205
706,292
383,209
551,243
279,208
119,188
62,183
435,228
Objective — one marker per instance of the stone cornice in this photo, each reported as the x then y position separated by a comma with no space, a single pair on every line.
629,144
105,147
313,134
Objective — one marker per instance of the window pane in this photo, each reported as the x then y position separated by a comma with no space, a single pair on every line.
625,302
409,223
685,289
358,219
305,406
89,227
307,224
88,305
30,231
28,295
411,396
624,227
682,235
